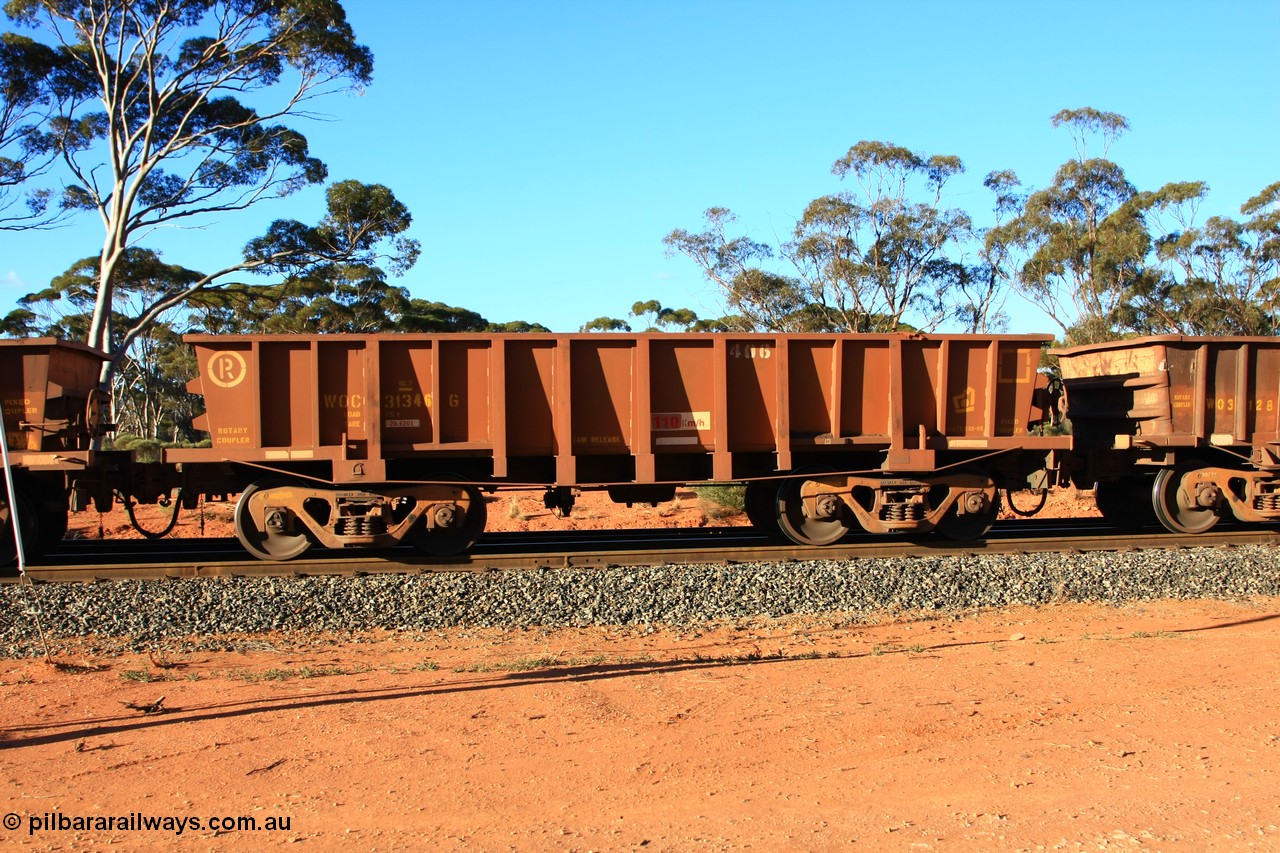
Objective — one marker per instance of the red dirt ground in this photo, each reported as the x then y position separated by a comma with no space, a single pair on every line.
1075,727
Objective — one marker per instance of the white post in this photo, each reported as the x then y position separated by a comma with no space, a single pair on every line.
14,522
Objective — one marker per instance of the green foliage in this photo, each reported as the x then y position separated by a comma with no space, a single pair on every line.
359,218
422,316
605,324
654,317
161,113
1087,122
144,449
1219,278
20,323
334,298
728,496
728,323
1083,240
764,299
862,260
657,318
874,255
144,676
29,72
520,327
1100,257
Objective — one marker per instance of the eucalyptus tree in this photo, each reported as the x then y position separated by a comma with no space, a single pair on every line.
29,76
420,315
175,112
657,318
874,255
519,327
331,298
875,258
766,300
149,385
1083,241
981,292
605,324
1222,277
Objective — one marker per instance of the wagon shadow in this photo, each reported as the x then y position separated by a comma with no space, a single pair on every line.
44,734
1238,623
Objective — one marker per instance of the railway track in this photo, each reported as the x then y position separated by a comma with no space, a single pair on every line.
93,560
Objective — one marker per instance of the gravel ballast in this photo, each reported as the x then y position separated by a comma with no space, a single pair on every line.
142,613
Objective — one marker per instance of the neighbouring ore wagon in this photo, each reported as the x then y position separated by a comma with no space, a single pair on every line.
52,413
366,440
1185,428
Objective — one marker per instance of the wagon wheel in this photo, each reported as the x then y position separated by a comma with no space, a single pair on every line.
797,525
93,414
1125,503
758,503
27,515
1172,509
449,541
972,524
267,537
50,504
53,529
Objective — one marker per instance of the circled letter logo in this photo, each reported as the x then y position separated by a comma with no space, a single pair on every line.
226,369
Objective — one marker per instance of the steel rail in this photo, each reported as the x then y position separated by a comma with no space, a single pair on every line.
614,549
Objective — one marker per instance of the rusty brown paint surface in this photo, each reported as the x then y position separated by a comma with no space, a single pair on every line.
1177,391
45,389
582,409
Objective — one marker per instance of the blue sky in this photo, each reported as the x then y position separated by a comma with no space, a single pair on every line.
545,148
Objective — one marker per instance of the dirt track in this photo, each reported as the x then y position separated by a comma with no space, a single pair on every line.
1072,727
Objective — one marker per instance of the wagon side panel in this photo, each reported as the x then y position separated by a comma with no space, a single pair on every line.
228,382
1264,391
811,390
406,394
465,402
751,374
682,405
864,388
1017,379
530,394
343,397
921,370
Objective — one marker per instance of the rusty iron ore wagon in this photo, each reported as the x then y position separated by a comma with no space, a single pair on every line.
1183,428
368,440
52,413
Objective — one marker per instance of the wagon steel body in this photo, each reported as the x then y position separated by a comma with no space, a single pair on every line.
49,391
584,410
1200,416
52,412
890,431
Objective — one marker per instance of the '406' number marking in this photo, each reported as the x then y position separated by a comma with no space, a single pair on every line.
744,351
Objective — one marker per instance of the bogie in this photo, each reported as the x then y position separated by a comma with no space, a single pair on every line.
281,519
